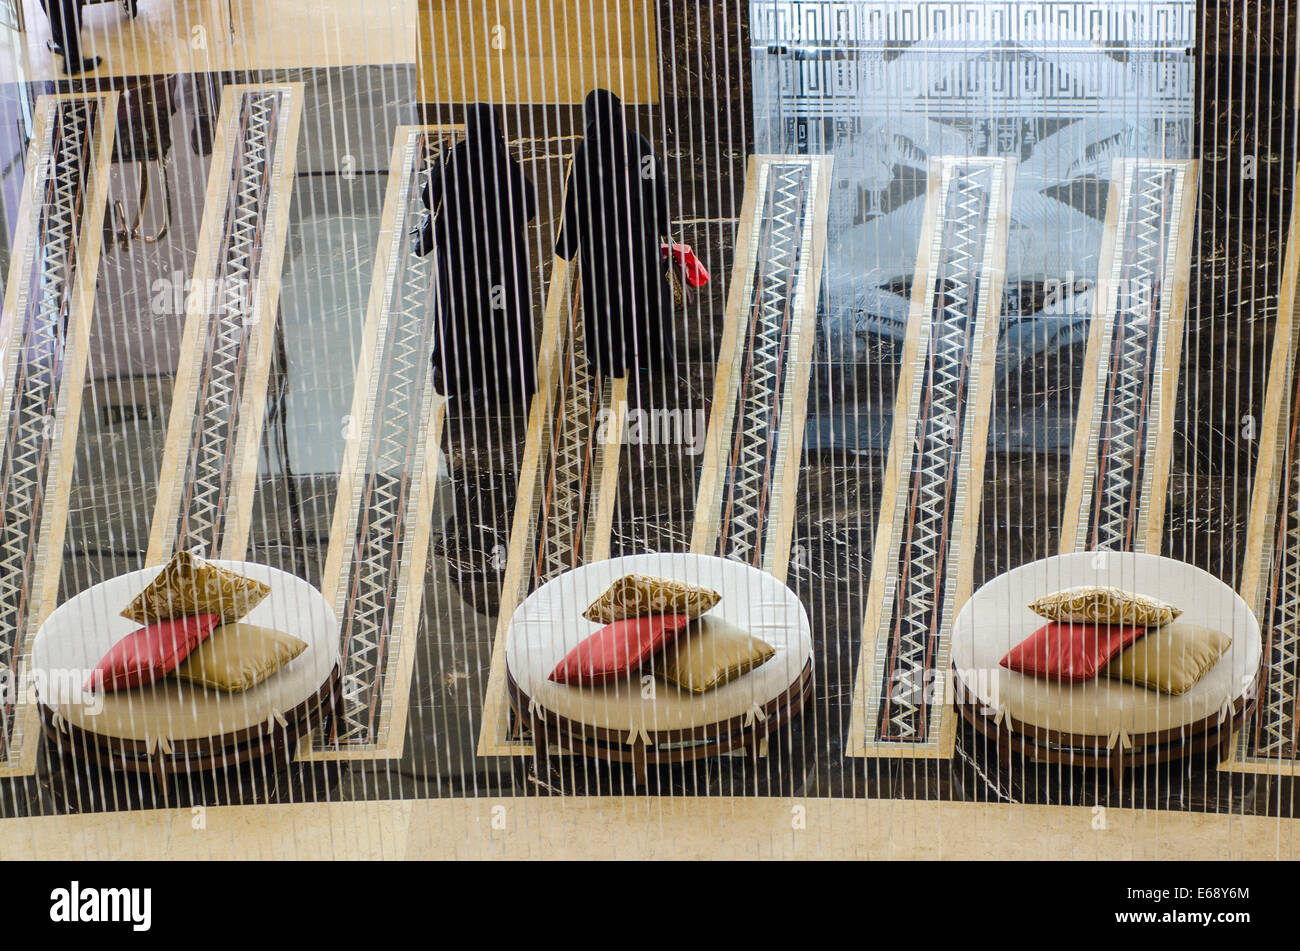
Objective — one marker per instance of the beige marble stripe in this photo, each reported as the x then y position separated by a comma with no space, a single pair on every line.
598,532
794,396
1261,526
728,374
559,358
726,377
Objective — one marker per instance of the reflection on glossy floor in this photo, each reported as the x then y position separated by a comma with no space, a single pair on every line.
360,83
175,36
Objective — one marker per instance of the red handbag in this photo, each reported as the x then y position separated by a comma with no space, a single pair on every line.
686,262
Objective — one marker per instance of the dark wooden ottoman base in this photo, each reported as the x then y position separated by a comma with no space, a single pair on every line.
183,757
666,746
1076,749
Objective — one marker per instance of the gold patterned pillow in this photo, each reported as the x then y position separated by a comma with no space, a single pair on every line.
1101,605
640,595
189,585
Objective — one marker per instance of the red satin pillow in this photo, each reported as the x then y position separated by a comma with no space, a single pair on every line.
617,649
1070,652
151,652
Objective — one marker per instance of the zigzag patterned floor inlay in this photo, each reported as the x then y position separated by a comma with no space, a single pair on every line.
1119,471
1268,742
925,547
565,507
379,541
745,505
206,486
44,337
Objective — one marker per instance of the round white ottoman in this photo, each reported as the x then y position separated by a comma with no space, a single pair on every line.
173,725
627,722
1103,721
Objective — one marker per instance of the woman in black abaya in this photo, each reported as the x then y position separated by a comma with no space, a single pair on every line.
615,214
480,203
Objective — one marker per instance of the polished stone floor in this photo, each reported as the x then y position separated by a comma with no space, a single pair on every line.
338,196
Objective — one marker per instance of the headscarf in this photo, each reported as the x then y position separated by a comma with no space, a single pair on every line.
477,166
606,145
484,145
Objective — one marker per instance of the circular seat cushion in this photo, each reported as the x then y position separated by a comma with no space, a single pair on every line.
549,624
80,631
996,619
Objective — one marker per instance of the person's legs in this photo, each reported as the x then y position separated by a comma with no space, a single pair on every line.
55,43
65,27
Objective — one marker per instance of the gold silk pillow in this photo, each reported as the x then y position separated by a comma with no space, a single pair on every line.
1170,659
239,656
641,595
189,585
711,652
1101,605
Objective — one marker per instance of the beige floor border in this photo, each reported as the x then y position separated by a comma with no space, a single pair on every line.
1158,445
870,689
399,657
650,828
248,418
62,431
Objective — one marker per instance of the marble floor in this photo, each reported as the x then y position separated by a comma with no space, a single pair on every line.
356,93
684,829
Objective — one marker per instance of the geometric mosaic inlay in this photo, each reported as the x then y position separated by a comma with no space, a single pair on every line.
43,341
924,553
1268,741
744,508
206,486
379,544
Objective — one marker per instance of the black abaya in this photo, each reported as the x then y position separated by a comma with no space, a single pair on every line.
480,203
615,214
